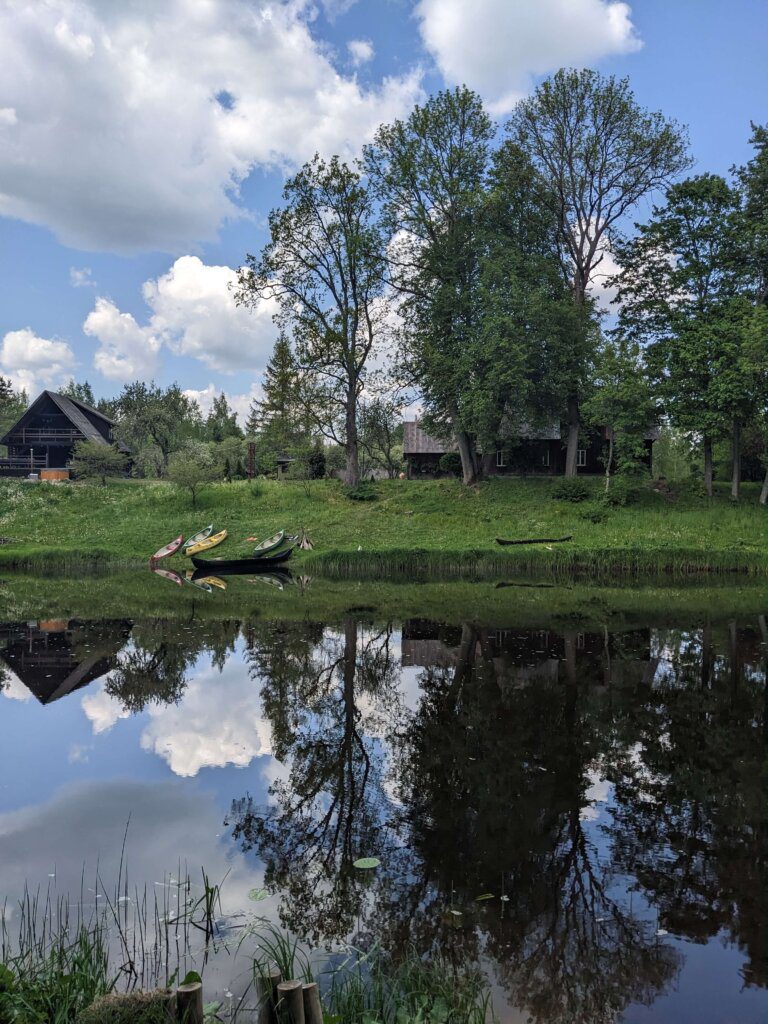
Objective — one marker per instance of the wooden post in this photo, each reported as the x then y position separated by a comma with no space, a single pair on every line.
189,1003
291,997
313,1011
267,986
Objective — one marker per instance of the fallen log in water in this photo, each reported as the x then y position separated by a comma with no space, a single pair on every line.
534,540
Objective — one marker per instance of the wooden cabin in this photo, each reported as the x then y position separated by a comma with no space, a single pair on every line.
529,451
45,436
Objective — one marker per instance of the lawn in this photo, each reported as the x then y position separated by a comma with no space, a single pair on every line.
413,528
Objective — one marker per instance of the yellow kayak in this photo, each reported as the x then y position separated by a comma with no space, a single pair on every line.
207,544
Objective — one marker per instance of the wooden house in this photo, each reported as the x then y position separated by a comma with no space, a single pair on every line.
45,435
528,451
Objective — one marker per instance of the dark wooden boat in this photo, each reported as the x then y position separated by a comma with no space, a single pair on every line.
215,566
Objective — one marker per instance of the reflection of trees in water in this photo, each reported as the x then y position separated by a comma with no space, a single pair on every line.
691,818
153,667
492,771
331,697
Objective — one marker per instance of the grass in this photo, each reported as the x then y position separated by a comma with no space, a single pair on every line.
415,529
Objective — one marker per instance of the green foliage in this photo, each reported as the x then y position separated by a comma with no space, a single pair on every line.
625,490
193,466
12,404
151,417
221,422
129,1008
81,392
92,460
572,489
450,462
363,492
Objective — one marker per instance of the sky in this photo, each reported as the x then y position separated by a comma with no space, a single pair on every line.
144,142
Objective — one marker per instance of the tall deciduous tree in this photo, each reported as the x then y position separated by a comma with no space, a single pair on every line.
429,172
93,460
149,415
12,404
324,265
682,292
602,153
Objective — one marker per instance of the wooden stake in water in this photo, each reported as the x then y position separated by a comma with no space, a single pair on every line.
291,996
189,1003
268,996
313,1011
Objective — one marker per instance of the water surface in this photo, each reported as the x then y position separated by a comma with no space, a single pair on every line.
581,810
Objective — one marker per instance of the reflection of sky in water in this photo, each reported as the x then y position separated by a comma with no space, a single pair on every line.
76,770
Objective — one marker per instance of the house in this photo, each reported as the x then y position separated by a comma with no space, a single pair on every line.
45,436
528,451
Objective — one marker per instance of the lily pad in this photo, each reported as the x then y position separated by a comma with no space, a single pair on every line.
367,863
257,895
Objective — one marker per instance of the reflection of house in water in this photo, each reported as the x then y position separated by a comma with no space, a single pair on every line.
520,657
54,657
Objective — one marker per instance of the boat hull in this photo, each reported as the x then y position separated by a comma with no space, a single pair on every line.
168,549
207,544
196,538
234,566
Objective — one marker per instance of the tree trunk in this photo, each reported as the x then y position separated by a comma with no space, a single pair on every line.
764,491
352,472
609,460
708,464
571,452
487,464
735,459
468,458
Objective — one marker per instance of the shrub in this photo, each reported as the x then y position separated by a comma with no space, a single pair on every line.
624,490
316,464
131,1008
363,492
571,488
450,463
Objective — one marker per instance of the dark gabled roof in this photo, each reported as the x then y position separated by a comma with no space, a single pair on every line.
75,413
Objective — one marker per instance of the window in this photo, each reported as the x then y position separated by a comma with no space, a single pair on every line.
501,459
545,458
581,457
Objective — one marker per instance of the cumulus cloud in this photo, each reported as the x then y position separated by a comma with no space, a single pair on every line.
32,362
360,51
80,277
129,126
496,47
192,312
241,403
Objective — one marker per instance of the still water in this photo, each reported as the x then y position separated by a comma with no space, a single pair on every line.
603,788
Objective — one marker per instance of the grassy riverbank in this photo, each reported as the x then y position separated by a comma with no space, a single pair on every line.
413,529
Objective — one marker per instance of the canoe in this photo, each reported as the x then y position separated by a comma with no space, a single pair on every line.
197,537
269,544
168,549
169,574
207,544
242,565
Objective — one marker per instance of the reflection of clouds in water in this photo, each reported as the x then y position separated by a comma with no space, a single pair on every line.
13,687
218,721
83,825
597,794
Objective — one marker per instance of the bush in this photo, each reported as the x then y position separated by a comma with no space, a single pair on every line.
450,463
316,463
571,488
624,490
363,492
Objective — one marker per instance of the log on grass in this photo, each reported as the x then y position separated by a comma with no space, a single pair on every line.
534,540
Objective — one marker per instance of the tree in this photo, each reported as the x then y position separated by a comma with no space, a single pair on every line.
80,392
324,265
279,422
149,415
621,402
12,404
752,182
429,173
681,293
601,153
221,421
92,459
381,434
193,466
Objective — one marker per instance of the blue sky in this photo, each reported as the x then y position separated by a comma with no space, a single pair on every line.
142,145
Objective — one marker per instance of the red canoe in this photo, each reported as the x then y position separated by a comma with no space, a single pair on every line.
169,549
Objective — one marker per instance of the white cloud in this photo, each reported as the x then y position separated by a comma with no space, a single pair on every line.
13,688
192,313
360,51
241,403
497,46
129,126
126,350
80,277
33,362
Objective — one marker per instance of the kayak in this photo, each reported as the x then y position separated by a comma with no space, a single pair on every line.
197,537
242,565
169,574
168,549
207,544
269,544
